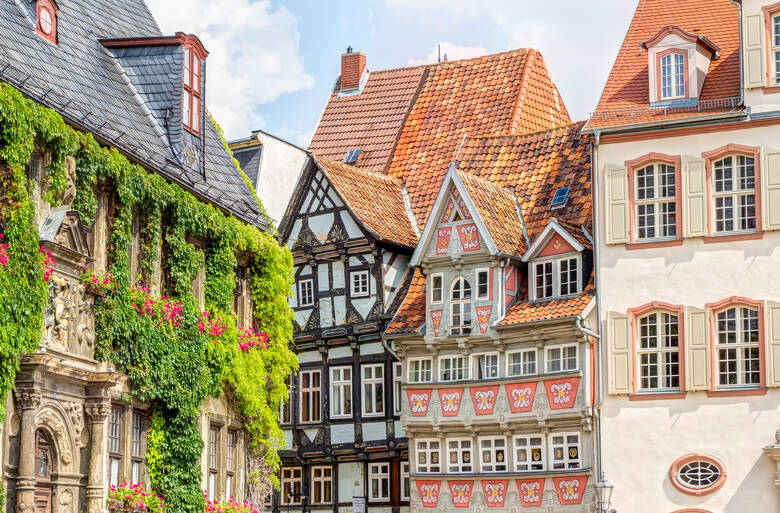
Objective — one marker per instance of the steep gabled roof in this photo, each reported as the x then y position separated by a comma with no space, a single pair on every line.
626,98
377,200
550,309
410,316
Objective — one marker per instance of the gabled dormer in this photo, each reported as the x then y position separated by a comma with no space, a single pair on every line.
678,62
555,262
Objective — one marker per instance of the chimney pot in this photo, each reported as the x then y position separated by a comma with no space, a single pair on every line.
349,49
353,65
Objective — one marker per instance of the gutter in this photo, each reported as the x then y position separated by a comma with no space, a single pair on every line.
667,124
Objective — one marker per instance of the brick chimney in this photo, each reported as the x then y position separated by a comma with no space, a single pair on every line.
353,64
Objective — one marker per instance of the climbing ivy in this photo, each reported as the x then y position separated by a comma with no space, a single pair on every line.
159,342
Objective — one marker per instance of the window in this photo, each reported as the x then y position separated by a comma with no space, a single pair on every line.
486,366
321,485
560,197
529,453
310,396
291,486
453,368
213,470
406,484
138,449
428,456
655,201
483,284
562,358
379,482
285,408
565,451
460,307
420,370
697,474
306,292
373,390
341,392
558,277
398,378
734,194
672,76
230,461
436,288
492,454
737,346
47,21
191,103
776,47
659,366
352,156
459,458
115,445
521,363
358,283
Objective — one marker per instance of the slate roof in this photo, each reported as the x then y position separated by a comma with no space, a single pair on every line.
120,95
376,199
249,160
369,121
550,309
410,316
625,99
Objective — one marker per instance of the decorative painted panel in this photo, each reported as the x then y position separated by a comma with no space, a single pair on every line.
557,246
561,393
429,492
484,399
521,396
450,399
419,400
460,491
483,317
570,490
531,491
495,492
469,237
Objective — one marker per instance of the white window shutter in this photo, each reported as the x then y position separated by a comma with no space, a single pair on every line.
770,178
694,192
773,344
753,48
619,348
697,353
617,205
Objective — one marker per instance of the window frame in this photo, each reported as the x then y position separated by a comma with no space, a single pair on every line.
774,47
309,282
457,468
341,388
231,446
292,480
640,163
380,476
509,354
323,482
555,262
213,462
51,10
566,460
193,72
310,399
461,329
480,271
477,368
636,314
547,358
285,407
493,455
115,453
405,476
529,447
398,379
409,361
440,288
355,277
674,84
429,452
713,310
138,434
373,382
465,369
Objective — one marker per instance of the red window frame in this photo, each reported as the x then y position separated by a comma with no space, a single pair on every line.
51,8
191,103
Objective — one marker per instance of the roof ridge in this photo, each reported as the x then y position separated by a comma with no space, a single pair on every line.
528,134
456,61
366,172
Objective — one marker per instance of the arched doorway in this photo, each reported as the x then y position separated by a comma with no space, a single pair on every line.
43,469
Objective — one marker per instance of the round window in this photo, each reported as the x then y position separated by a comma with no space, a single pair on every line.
45,20
697,474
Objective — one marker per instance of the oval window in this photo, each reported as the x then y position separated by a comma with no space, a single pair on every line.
697,474
45,21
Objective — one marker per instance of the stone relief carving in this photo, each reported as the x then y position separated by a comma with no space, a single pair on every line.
28,399
67,197
86,330
76,412
57,427
57,315
66,501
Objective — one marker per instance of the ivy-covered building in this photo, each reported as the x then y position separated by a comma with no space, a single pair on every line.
142,297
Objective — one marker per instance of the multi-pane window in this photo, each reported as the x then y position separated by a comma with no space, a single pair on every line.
734,194
191,100
658,354
291,485
737,346
306,292
285,408
321,485
137,449
358,283
213,470
428,456
230,461
378,482
437,288
558,277
565,451
654,199
373,390
115,444
398,378
310,396
406,483
529,453
492,454
672,76
340,392
459,455
521,363
483,284
460,307
486,366
453,368
776,47
420,370
561,358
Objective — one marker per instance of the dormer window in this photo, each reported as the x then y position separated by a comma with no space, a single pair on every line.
673,76
556,277
191,96
46,25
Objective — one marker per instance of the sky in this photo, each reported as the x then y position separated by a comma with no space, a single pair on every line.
273,64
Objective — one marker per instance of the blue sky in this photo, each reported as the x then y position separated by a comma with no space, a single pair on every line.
273,64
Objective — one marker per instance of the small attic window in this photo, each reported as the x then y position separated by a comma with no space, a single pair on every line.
352,156
191,96
46,23
560,197
673,71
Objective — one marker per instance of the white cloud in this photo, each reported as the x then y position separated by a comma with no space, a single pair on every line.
452,52
254,54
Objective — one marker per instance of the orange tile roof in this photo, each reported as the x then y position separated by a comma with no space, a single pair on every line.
376,199
497,208
545,310
533,166
369,121
410,317
508,92
625,99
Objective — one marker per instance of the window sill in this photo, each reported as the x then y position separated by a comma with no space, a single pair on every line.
654,244
710,239
771,89
736,392
656,396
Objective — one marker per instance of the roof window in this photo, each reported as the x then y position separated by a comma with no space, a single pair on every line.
560,197
46,20
352,156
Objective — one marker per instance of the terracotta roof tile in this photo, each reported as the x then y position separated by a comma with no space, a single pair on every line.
521,313
411,315
376,199
627,85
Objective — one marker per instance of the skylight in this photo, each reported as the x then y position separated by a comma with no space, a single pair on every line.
560,197
352,156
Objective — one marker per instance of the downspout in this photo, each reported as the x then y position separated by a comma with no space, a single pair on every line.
738,3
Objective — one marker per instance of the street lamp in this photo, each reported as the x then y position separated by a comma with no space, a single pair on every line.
604,494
